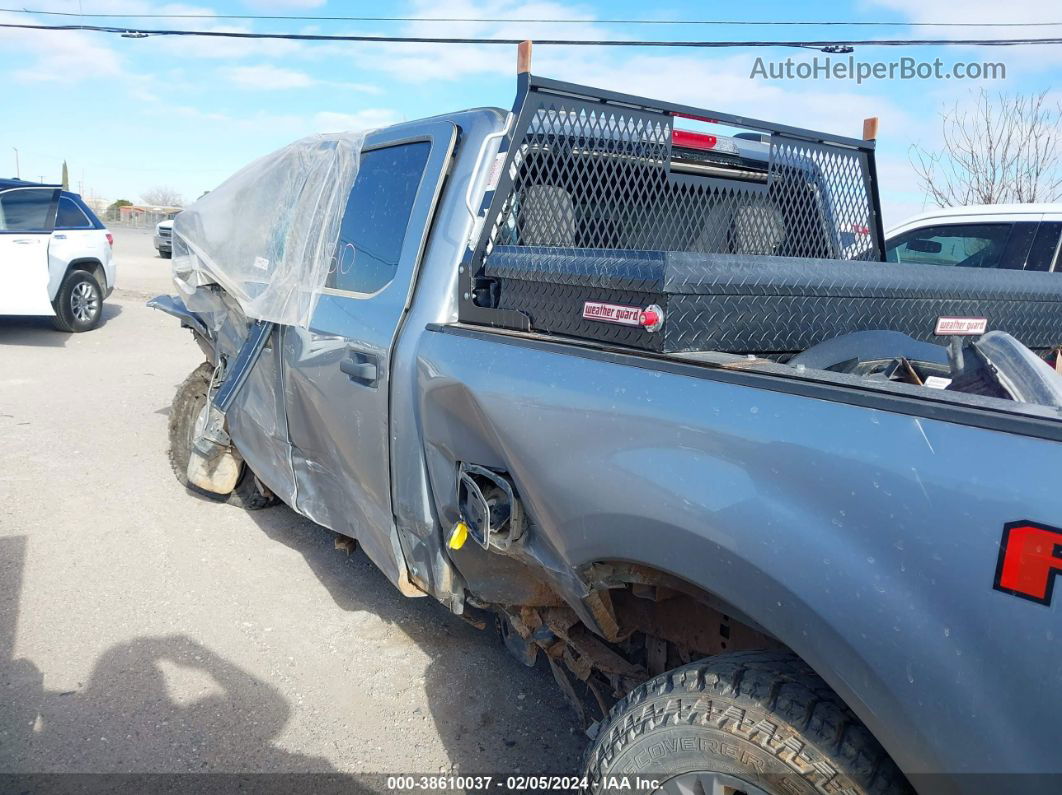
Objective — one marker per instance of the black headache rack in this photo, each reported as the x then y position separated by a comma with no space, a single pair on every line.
607,224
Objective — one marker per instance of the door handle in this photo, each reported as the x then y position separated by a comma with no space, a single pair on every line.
25,240
361,368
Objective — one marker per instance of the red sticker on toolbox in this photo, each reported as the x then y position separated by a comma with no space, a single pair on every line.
961,325
612,313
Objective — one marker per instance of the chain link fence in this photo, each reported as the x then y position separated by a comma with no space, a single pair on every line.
140,220
136,217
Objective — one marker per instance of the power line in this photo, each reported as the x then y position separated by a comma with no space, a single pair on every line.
568,21
835,45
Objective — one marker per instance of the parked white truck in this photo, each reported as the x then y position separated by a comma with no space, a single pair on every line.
1013,236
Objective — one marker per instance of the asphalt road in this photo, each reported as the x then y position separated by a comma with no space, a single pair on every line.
143,629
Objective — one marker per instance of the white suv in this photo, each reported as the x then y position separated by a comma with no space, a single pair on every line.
55,256
1015,236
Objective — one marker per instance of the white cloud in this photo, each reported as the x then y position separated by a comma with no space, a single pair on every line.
1029,58
276,5
75,55
282,127
367,119
974,10
266,77
220,48
57,56
417,63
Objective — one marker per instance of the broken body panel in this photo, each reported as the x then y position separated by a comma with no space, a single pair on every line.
855,521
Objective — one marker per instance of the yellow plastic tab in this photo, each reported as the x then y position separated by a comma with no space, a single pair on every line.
458,536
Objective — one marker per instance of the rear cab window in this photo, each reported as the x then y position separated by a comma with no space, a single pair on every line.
27,210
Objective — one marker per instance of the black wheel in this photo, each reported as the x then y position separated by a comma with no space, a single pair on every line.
187,405
757,723
165,254
79,303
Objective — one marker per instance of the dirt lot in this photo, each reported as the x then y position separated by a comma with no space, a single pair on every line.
144,629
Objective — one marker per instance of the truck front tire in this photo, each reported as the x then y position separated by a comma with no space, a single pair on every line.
745,722
187,404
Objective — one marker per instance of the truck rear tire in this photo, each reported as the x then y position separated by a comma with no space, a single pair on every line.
758,723
187,404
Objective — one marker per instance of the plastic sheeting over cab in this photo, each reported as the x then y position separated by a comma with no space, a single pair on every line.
267,235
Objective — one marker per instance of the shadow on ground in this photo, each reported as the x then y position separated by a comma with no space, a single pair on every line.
39,331
485,727
144,728
125,720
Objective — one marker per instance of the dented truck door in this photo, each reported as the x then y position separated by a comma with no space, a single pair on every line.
337,372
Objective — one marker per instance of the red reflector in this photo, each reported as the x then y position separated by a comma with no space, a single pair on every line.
651,318
859,229
110,239
692,140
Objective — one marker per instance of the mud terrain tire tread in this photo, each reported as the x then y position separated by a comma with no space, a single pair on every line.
766,700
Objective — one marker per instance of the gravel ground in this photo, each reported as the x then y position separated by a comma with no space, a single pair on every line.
144,629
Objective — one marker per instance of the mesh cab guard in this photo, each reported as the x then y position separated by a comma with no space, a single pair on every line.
587,169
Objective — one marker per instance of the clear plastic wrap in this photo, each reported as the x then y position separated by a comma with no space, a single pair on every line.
267,235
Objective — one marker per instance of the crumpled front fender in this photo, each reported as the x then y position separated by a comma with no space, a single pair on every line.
173,305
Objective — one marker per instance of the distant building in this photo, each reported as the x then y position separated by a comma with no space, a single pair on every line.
98,205
145,215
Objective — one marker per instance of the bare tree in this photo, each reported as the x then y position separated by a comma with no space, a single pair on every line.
1001,149
162,196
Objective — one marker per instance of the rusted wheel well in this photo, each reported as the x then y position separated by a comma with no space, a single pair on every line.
644,599
635,623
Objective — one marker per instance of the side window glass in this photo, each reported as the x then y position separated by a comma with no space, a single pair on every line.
376,217
70,216
1045,248
963,245
1016,253
26,210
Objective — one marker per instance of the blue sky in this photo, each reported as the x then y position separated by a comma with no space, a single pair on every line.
130,114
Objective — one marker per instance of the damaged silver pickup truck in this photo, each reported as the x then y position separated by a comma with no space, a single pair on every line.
780,519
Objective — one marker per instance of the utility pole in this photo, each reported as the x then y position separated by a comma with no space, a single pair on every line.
18,174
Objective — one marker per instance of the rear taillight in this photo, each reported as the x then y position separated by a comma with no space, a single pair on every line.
704,142
692,140
110,239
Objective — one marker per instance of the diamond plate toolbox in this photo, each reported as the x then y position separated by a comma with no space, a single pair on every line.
760,304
